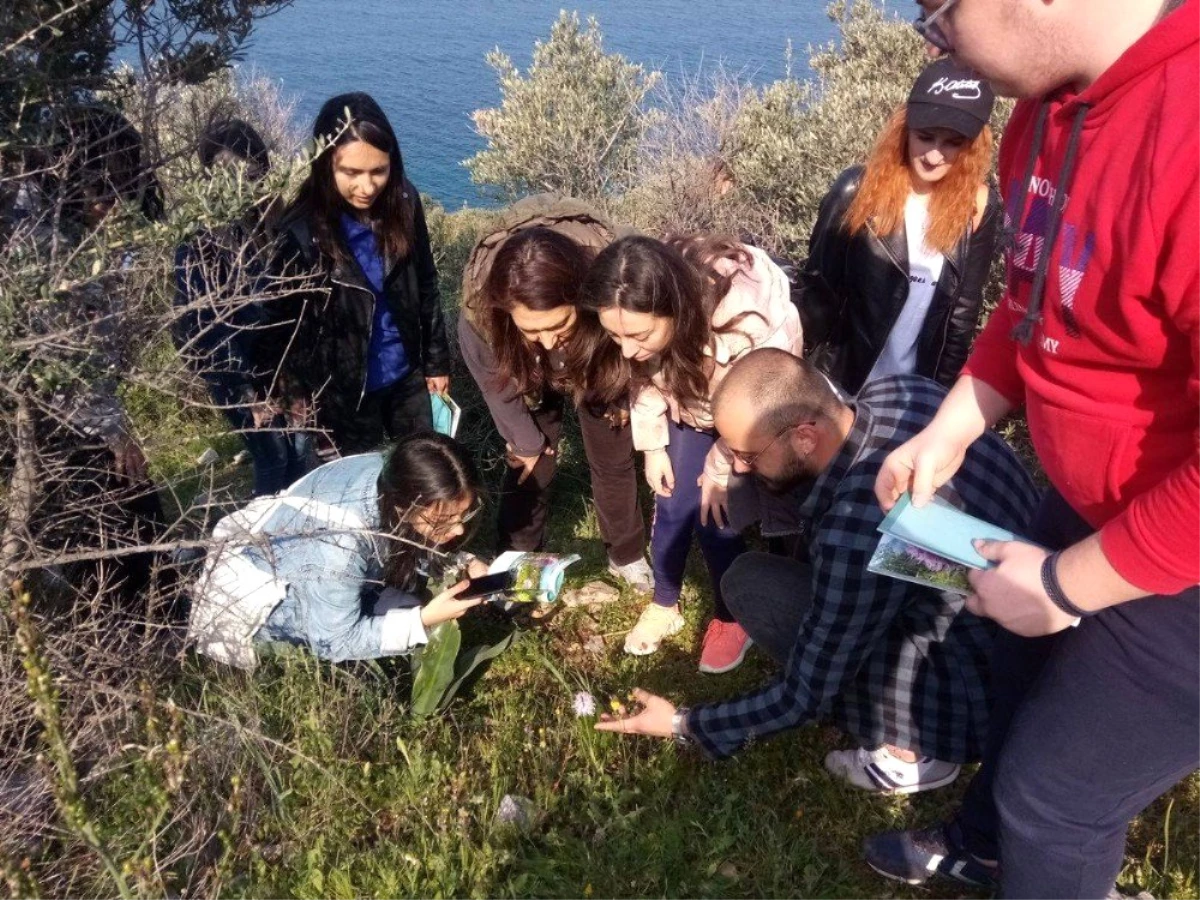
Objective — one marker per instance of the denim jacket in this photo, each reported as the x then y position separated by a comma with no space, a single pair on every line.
303,567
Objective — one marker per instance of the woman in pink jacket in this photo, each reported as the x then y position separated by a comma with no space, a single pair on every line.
680,312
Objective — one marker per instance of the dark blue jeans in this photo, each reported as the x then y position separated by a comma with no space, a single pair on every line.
1088,727
280,455
677,518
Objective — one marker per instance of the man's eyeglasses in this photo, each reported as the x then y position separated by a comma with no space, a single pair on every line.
928,28
748,459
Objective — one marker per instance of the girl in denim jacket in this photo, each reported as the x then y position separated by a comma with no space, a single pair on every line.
339,562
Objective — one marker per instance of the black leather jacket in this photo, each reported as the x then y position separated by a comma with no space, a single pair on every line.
853,289
320,332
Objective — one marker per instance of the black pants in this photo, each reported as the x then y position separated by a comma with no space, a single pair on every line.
1089,726
84,506
769,596
524,507
387,414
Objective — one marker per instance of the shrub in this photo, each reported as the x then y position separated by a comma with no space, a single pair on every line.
684,181
571,124
792,138
178,114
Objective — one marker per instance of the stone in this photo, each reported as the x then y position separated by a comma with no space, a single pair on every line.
515,811
590,595
594,645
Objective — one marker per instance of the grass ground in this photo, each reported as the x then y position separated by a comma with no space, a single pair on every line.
339,793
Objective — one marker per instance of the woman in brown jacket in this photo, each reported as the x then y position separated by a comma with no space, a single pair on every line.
527,344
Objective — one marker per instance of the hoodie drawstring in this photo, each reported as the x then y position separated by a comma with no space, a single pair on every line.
1013,226
1023,331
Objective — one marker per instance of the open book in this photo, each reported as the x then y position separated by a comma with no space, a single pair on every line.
931,545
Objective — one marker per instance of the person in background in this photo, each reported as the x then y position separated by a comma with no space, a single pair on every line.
359,333
680,312
1097,335
96,492
900,252
902,668
526,342
339,562
221,279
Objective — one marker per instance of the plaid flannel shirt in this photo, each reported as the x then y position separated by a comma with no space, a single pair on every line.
885,660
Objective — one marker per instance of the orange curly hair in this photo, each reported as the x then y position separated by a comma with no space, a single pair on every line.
887,182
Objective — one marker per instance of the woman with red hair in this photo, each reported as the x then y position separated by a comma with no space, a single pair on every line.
902,246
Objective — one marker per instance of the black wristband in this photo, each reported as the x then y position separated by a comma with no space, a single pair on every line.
1057,596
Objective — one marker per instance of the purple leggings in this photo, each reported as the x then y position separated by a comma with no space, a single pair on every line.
677,517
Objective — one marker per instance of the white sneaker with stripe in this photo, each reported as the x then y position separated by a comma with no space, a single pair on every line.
879,772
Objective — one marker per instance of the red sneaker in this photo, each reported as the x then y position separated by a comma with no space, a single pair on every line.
724,648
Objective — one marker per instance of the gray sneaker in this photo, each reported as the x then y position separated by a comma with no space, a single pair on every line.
637,574
879,772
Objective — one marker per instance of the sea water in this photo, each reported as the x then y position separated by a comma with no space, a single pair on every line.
424,61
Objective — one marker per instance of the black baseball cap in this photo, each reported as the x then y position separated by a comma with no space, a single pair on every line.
949,95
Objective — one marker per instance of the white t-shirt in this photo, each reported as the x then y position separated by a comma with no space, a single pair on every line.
899,354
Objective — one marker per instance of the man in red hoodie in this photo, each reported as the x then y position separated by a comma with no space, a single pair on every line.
1098,336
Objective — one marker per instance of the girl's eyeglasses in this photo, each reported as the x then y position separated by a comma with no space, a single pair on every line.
928,28
444,527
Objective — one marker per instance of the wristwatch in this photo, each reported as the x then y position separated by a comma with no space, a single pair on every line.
679,727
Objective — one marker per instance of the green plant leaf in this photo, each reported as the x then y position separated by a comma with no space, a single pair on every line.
434,666
471,660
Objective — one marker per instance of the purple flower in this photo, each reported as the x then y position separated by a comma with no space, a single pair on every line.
931,561
585,704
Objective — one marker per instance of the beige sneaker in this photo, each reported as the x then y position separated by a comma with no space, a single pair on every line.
655,623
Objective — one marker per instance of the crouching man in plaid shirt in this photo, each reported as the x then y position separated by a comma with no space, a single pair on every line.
901,668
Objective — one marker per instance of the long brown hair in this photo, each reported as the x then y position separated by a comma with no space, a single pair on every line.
542,270
677,279
342,120
887,182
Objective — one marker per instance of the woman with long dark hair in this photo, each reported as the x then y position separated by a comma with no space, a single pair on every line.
901,249
679,313
362,338
527,344
339,562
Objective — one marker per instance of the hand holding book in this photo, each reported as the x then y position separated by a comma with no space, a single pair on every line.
933,545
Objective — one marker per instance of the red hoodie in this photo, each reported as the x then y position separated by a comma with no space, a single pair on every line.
1110,378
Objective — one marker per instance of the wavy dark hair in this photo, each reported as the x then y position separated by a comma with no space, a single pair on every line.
99,155
421,470
238,138
543,270
676,278
342,120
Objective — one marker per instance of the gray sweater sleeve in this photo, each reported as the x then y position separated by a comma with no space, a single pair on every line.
508,408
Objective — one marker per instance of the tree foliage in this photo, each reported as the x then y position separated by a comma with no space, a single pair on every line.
571,124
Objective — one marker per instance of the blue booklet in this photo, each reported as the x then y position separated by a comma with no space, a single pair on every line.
446,414
941,528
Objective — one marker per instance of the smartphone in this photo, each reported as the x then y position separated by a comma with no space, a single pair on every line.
489,584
